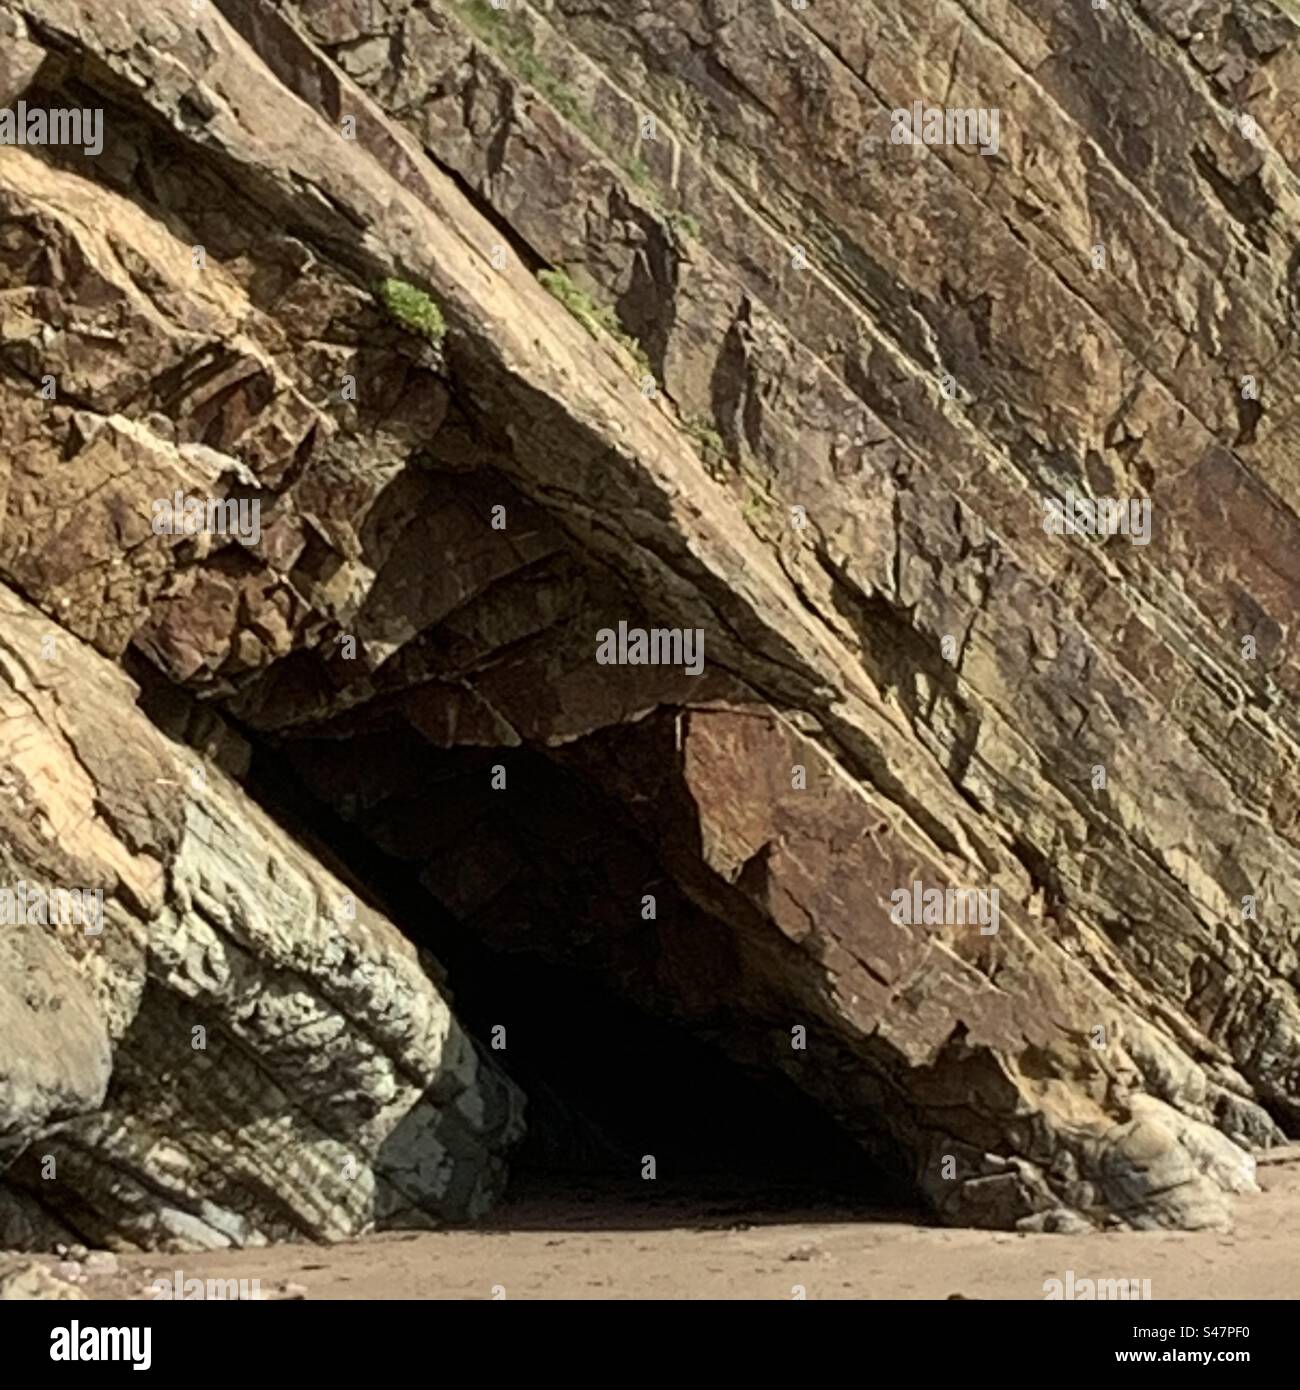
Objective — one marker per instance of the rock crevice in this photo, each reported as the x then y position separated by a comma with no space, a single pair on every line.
804,393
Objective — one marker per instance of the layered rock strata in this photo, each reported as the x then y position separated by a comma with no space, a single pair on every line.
844,377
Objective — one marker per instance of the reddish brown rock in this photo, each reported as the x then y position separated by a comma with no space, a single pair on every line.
872,363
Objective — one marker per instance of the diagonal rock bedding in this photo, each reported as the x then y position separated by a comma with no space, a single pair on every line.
683,340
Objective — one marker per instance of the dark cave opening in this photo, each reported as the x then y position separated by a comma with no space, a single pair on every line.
607,1084
609,1079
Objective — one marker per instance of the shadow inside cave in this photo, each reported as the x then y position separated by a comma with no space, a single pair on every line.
608,1085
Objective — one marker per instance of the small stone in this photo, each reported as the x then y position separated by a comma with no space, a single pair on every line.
100,1262
31,1282
67,1269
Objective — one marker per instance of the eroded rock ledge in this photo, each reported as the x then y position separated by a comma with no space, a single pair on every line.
241,1050
1114,1052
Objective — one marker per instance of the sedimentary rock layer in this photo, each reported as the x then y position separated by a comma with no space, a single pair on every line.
238,1049
862,368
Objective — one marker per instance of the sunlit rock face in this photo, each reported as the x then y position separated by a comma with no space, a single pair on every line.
786,512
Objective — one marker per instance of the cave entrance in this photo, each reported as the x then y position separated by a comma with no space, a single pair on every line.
611,1090
610,1085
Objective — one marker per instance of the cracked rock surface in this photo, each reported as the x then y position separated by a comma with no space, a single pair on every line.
241,1051
907,678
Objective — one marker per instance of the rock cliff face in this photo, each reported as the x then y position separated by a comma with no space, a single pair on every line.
235,1049
506,327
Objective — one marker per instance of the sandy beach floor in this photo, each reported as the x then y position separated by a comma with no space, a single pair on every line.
598,1248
